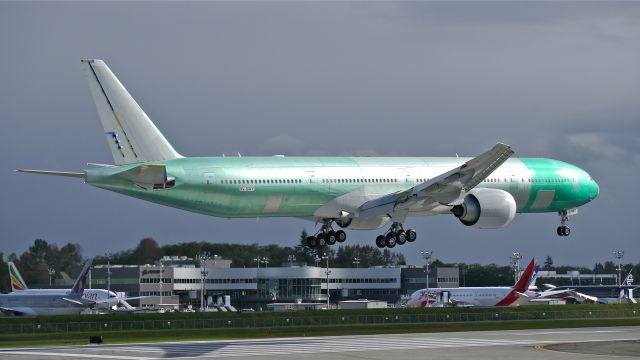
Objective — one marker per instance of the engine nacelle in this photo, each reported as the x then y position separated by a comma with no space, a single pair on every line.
486,209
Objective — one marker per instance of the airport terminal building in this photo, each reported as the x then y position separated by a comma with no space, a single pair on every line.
178,282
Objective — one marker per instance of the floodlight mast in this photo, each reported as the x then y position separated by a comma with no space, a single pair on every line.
204,256
327,272
426,254
619,254
51,272
515,262
161,269
108,255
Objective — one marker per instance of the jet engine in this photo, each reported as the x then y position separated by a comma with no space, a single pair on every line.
486,209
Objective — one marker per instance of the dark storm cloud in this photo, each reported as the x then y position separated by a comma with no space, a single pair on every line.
556,80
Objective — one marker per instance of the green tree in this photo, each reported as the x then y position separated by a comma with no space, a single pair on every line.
548,263
147,252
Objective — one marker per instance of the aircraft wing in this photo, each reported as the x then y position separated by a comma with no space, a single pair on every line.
554,293
78,302
442,189
580,297
11,311
454,302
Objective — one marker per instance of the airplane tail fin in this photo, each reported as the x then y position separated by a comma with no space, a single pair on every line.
17,282
534,278
81,281
131,135
523,283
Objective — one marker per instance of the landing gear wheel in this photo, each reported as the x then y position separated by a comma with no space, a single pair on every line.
380,241
331,237
320,241
391,239
563,229
341,236
401,237
311,241
411,235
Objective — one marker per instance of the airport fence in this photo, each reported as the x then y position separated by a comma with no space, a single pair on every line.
314,320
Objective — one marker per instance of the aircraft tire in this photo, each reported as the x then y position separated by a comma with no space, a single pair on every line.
331,237
321,241
380,241
341,236
401,237
311,241
411,235
391,239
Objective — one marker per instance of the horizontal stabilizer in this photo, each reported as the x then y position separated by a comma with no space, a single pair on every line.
81,175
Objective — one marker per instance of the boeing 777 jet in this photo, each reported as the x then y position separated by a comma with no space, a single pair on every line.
362,193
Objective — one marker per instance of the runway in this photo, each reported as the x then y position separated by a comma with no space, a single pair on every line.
524,344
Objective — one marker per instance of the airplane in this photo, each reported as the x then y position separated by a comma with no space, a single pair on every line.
593,294
70,303
476,296
104,297
362,193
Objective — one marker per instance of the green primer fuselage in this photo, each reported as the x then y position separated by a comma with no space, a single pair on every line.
298,186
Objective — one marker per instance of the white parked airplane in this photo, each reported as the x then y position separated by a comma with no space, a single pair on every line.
102,297
68,303
476,296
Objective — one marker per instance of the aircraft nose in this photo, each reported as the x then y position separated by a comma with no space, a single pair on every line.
594,190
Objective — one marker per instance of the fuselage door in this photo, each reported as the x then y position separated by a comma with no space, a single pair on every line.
209,178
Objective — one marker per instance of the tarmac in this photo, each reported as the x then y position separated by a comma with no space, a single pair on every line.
579,343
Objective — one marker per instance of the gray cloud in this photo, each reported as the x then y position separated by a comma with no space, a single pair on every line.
556,80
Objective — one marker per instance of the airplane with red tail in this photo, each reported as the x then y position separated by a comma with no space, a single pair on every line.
476,296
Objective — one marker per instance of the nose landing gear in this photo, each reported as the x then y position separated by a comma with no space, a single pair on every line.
563,229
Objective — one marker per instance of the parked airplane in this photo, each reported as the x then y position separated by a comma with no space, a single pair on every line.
476,296
594,294
49,304
105,298
351,192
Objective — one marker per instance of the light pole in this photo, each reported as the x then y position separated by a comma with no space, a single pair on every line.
327,272
161,268
265,261
316,260
291,259
108,255
51,271
426,254
619,254
515,261
204,256
356,260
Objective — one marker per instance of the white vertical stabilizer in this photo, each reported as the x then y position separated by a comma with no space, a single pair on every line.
131,135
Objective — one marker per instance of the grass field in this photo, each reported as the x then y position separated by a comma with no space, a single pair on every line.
124,328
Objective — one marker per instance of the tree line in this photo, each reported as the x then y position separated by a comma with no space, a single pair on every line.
42,256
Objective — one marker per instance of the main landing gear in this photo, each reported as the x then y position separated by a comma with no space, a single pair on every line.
396,235
563,229
326,236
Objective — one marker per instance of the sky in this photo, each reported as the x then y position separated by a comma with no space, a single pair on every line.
555,80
